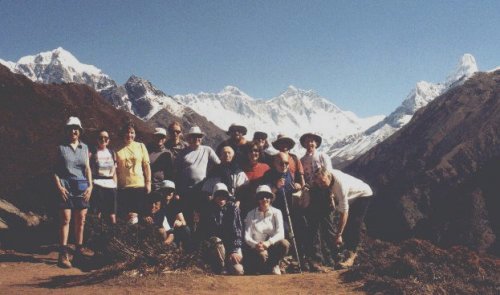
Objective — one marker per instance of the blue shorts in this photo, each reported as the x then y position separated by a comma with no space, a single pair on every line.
77,203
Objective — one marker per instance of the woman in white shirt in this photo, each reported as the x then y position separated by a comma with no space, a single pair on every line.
103,164
265,234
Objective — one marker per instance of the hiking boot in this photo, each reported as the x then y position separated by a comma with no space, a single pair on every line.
276,270
349,261
63,260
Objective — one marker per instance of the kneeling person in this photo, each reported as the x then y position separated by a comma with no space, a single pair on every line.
265,234
155,216
173,212
222,226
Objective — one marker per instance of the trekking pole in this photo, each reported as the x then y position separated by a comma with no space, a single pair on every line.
292,235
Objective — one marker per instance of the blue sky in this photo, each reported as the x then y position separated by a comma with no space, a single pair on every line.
364,56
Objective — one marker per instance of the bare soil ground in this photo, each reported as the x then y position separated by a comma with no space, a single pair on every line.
22,273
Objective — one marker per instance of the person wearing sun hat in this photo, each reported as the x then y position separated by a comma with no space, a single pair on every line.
191,169
160,159
265,233
222,228
73,179
284,144
260,138
236,141
313,159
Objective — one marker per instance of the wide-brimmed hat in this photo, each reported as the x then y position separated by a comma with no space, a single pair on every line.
264,189
166,185
160,131
220,187
235,127
195,130
259,135
283,140
74,121
316,138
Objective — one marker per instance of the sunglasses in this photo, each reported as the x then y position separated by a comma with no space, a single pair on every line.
283,163
104,138
264,196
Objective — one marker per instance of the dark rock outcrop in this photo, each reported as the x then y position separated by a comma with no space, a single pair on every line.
438,177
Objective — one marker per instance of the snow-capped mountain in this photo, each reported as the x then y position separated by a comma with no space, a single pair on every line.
59,66
137,96
355,145
293,113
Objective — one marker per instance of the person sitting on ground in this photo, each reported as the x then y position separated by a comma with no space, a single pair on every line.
313,159
280,179
191,166
134,174
172,209
162,166
254,170
353,197
73,179
284,144
103,166
236,140
265,234
223,230
227,172
155,216
260,138
174,143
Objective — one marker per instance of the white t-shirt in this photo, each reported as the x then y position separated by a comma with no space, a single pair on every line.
104,167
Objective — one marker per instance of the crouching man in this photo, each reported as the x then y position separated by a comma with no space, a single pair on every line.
353,197
155,216
175,217
221,224
265,234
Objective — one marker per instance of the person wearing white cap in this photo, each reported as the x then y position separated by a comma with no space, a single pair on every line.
223,229
265,234
191,168
161,162
353,196
313,159
73,179
175,217
155,215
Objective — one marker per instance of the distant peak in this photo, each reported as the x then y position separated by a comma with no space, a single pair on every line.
231,89
465,68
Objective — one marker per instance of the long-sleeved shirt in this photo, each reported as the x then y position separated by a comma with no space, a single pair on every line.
347,187
225,223
264,227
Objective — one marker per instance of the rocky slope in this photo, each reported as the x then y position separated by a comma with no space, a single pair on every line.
437,178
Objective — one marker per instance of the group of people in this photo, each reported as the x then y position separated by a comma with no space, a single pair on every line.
245,203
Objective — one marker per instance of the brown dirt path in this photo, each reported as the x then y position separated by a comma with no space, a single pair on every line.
39,274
